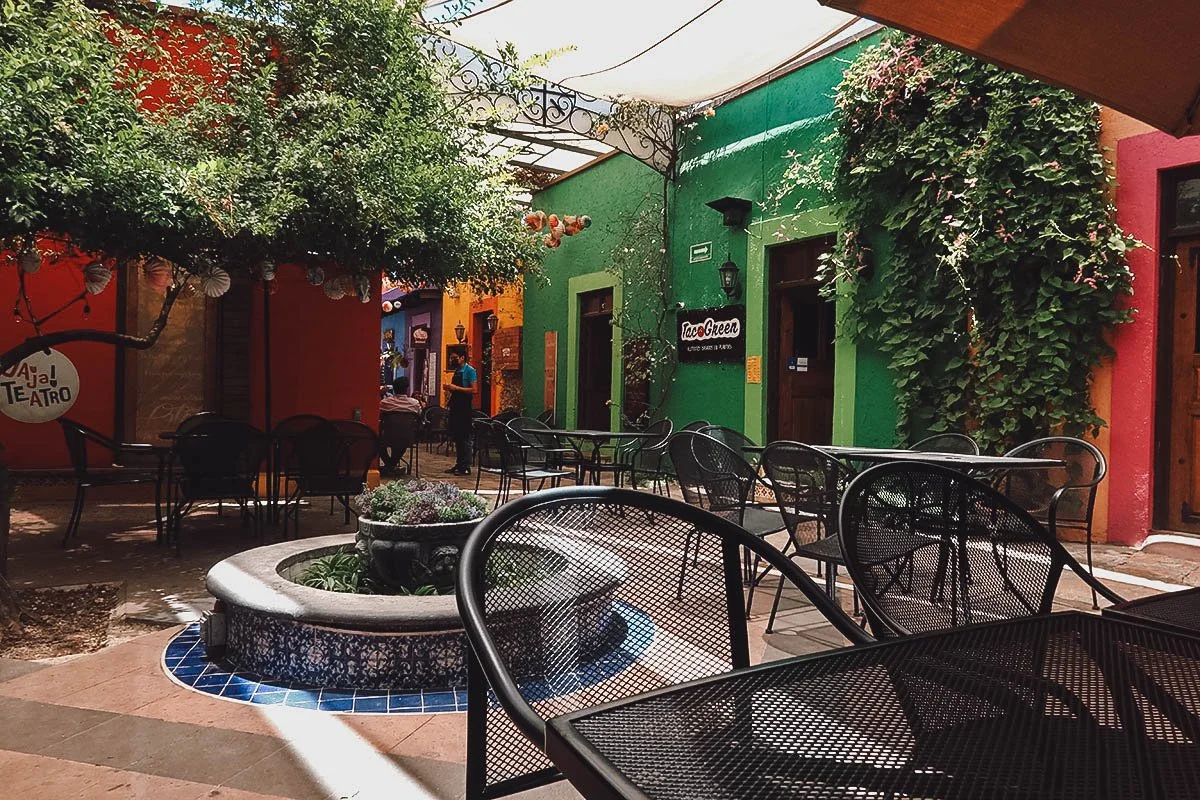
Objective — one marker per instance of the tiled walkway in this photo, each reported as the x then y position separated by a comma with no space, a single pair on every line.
113,725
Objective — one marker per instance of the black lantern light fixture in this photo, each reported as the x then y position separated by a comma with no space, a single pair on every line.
729,278
460,332
491,322
734,210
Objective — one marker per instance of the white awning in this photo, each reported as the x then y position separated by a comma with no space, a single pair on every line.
672,52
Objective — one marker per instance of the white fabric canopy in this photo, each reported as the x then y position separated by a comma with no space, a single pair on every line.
671,52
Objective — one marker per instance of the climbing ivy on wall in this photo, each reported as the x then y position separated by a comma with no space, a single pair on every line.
983,198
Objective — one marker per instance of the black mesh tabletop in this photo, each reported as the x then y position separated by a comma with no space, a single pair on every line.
953,460
1177,612
1063,706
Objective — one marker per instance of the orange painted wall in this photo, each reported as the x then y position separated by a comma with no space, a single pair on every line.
324,353
41,446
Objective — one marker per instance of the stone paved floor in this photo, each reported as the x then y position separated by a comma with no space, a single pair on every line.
111,725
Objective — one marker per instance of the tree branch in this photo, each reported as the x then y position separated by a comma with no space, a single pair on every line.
36,343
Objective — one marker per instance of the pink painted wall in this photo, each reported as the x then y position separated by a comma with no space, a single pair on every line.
1140,161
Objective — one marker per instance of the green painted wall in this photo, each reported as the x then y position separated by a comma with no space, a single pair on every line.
607,192
740,152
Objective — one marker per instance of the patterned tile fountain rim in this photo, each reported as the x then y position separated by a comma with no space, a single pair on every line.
186,662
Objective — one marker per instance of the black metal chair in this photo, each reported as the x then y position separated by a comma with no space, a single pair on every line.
546,417
521,461
398,442
947,443
548,451
219,459
808,485
647,458
78,436
1062,498
505,414
696,425
283,466
736,441
562,592
972,555
333,459
196,420
489,454
729,484
435,430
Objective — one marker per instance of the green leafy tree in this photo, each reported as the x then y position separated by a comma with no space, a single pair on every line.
983,198
253,134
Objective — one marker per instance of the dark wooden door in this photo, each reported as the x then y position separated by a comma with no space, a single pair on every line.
595,359
800,346
1183,476
480,332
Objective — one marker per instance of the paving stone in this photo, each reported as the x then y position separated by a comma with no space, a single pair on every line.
32,727
14,668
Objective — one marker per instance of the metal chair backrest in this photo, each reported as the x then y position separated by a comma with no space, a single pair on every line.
561,604
196,420
970,555
734,440
335,456
398,429
284,436
648,453
947,443
77,436
712,475
533,433
808,483
546,417
696,425
1061,495
506,414
435,418
220,459
489,443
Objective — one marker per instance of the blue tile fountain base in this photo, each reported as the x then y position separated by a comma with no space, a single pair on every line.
186,660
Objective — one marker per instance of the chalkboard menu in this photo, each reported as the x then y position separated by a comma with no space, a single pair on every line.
506,349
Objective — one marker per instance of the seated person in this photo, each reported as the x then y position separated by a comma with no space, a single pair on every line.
400,400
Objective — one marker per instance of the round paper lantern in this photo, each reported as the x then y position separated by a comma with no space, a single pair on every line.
158,274
387,306
214,282
96,277
267,270
334,290
316,276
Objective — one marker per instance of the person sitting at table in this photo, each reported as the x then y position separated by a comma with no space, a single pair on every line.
400,399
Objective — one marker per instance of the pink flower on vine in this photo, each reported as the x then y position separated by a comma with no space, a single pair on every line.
1051,165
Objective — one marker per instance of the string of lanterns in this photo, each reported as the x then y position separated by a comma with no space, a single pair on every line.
556,226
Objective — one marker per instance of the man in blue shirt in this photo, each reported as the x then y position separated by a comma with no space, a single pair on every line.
459,394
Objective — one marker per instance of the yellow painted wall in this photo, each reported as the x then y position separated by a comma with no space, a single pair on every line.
461,304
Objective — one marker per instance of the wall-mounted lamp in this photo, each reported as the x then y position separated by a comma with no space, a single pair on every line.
460,332
491,322
734,210
729,278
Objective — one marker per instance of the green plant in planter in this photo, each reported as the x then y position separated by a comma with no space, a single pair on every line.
420,502
340,572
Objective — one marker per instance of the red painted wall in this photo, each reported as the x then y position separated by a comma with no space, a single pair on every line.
41,446
324,353
1140,161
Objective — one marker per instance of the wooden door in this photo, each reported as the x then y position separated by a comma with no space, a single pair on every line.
595,360
1183,475
800,352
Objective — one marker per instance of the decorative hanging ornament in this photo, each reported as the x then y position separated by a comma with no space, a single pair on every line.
214,282
188,291
158,274
96,277
267,270
362,287
387,307
272,287
316,276
30,260
334,290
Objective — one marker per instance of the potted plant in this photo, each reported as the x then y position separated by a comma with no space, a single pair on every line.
410,534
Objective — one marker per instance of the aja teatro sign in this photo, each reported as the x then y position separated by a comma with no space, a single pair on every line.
41,388
712,334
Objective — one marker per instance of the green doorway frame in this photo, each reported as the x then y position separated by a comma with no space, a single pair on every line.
582,284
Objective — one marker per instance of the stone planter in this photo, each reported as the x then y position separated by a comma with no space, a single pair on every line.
408,556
